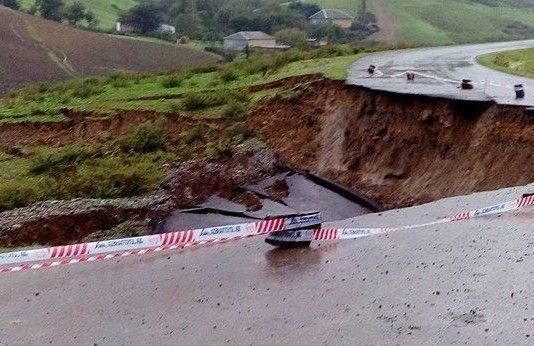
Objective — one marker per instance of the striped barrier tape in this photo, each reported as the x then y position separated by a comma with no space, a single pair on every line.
355,233
166,240
286,229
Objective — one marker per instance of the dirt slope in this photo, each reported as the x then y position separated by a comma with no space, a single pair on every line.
36,50
386,34
400,150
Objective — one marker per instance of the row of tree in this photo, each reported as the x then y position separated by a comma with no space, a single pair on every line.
213,19
57,10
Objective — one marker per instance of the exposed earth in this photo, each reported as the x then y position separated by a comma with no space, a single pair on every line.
430,285
39,50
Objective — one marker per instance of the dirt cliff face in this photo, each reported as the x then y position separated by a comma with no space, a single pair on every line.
399,149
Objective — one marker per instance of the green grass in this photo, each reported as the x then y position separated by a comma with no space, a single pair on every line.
133,163
518,62
350,7
105,10
43,103
431,22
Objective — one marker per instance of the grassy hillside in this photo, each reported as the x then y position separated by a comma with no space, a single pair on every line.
439,22
519,62
37,50
204,110
105,10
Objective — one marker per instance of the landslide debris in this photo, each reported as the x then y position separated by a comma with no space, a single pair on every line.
186,185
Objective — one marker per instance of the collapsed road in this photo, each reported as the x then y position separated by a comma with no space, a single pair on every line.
464,282
439,71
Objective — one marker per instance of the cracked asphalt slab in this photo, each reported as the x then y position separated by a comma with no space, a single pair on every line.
463,282
440,70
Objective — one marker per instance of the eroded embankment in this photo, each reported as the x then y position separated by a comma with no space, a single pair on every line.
399,149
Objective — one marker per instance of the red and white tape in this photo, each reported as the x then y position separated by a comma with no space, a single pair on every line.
354,233
89,252
108,249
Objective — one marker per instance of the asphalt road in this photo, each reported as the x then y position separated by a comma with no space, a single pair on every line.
440,70
467,282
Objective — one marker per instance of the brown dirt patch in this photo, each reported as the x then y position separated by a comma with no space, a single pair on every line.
398,149
27,40
385,23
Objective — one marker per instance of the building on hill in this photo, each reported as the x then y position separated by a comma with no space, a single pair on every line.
332,16
256,40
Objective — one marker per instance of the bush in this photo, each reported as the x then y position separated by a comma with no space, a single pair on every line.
194,134
58,161
214,150
196,101
172,81
111,177
87,87
147,138
228,74
122,80
16,194
235,111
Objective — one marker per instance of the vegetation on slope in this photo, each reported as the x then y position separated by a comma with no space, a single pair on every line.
106,11
519,62
212,102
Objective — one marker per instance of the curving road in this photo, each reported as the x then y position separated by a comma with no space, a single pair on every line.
468,282
440,70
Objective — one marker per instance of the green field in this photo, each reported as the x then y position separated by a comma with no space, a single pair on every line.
105,10
518,62
441,22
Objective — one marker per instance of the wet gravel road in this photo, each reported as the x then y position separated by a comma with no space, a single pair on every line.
439,68
468,282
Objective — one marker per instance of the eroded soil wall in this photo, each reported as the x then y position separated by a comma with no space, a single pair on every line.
399,149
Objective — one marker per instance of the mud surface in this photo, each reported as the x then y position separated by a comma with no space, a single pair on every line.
466,282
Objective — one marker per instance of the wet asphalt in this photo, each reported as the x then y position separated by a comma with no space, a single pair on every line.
439,70
467,282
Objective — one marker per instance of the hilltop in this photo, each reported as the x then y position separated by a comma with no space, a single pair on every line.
38,50
441,22
106,11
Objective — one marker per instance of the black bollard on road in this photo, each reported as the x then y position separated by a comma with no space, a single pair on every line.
467,84
519,91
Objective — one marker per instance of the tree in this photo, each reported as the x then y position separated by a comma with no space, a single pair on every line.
190,25
292,37
145,17
75,12
50,9
305,9
14,4
91,20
